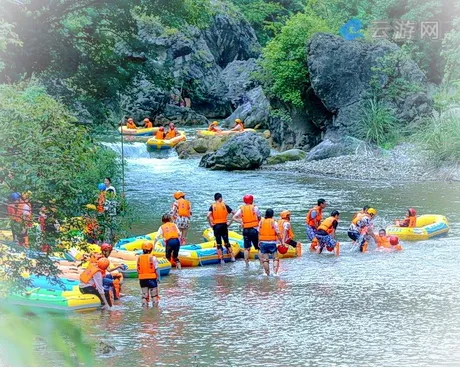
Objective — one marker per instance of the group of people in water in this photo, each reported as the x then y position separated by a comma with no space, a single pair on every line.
269,236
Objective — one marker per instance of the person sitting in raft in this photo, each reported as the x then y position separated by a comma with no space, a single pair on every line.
147,123
130,124
409,221
268,235
173,132
387,242
91,281
287,234
326,234
213,127
181,211
361,229
239,126
171,235
148,275
160,134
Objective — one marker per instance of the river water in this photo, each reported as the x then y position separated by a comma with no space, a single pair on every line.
358,309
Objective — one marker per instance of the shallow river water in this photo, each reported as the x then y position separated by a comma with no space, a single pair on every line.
358,309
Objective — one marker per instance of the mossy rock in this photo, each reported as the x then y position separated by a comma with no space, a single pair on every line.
290,155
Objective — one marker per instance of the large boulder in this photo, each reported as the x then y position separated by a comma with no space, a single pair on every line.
255,111
289,155
345,74
335,145
180,115
244,151
199,146
231,38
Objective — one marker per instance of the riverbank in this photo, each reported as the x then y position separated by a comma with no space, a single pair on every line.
403,163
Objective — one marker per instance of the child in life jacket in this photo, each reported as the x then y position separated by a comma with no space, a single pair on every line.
409,221
149,275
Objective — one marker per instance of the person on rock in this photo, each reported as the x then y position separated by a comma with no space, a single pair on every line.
239,126
217,218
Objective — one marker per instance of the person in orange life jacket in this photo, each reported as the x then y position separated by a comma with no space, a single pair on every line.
160,134
326,233
101,197
409,221
361,229
173,132
287,234
171,235
239,126
313,220
181,211
147,123
148,275
388,242
268,235
248,215
363,211
91,281
130,124
217,218
213,127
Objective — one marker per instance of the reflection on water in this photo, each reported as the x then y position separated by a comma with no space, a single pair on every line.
373,309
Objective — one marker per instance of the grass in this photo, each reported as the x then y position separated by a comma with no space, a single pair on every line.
378,125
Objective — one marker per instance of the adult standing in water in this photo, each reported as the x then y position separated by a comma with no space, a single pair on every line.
268,235
217,218
181,211
248,215
313,220
326,233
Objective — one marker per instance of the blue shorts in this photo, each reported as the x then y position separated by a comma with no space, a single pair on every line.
311,232
267,247
326,241
148,283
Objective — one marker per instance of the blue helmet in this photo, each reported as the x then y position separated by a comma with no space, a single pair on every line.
101,186
15,196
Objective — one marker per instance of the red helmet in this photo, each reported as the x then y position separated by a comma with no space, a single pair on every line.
394,240
103,263
412,212
248,199
106,246
282,249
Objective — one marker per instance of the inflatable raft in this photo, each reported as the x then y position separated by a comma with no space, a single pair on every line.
208,234
208,133
159,144
138,132
427,227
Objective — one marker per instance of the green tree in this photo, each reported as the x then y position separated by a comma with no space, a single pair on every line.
285,72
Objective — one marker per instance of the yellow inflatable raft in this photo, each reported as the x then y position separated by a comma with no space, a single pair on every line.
427,226
160,144
208,133
139,131
253,253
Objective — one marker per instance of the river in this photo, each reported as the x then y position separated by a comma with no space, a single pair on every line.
387,309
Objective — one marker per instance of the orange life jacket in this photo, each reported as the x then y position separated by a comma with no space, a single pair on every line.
160,135
248,216
359,216
13,212
145,267
169,231
148,124
22,216
314,222
383,241
100,202
94,257
267,231
183,207
130,125
172,133
412,221
88,274
212,128
281,223
219,213
327,225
